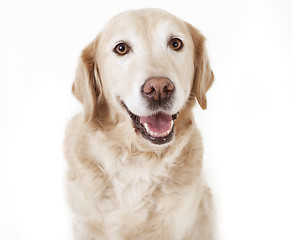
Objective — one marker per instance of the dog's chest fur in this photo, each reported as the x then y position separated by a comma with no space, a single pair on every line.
123,195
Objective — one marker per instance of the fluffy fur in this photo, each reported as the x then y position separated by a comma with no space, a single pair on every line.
119,184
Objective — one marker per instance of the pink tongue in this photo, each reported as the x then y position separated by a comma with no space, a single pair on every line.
159,123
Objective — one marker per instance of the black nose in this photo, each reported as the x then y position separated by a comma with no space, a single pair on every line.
158,91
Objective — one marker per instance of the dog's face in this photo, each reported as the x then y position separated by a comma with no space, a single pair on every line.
149,64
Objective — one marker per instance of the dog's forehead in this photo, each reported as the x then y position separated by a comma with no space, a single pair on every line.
144,23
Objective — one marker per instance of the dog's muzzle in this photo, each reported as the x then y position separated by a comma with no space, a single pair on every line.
158,127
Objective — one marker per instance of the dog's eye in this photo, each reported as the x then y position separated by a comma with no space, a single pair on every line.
121,49
176,44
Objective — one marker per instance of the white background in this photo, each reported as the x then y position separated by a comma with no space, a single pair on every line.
247,128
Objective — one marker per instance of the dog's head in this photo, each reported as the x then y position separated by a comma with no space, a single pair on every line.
147,64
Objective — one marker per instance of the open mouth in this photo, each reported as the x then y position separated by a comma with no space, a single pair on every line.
157,128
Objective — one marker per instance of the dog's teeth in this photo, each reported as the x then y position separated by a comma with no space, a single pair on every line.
146,127
154,134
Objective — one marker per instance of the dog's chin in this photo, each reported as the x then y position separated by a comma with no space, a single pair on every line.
157,128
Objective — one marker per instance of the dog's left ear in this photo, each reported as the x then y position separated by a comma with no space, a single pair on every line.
204,76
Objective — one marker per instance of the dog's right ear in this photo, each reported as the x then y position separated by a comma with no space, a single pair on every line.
86,86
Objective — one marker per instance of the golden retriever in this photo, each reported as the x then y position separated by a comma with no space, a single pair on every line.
135,153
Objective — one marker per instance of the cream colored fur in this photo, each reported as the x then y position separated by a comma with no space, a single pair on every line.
119,185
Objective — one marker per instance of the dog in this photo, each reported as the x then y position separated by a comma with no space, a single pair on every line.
135,154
